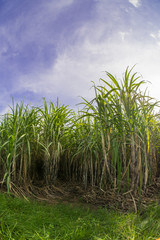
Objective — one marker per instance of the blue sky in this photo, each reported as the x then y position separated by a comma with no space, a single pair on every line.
51,48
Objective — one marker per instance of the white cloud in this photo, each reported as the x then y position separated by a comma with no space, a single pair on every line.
61,3
124,35
99,47
153,35
156,36
69,77
33,25
136,3
75,68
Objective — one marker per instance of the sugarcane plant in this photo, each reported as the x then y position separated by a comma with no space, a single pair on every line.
17,143
112,142
126,126
55,121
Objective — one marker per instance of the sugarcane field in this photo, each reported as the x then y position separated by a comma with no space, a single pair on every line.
103,157
111,145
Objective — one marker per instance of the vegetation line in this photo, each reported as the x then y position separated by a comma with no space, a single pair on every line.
113,142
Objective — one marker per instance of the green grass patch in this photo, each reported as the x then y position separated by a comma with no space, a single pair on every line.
22,220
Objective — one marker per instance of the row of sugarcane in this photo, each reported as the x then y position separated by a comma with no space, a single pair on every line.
113,142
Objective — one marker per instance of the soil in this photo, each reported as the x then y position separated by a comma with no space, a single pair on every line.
92,197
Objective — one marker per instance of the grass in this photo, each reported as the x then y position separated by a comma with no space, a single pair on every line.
22,220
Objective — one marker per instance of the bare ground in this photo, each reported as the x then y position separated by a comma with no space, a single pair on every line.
92,197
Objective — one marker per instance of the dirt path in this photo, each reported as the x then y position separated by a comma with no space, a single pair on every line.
92,197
